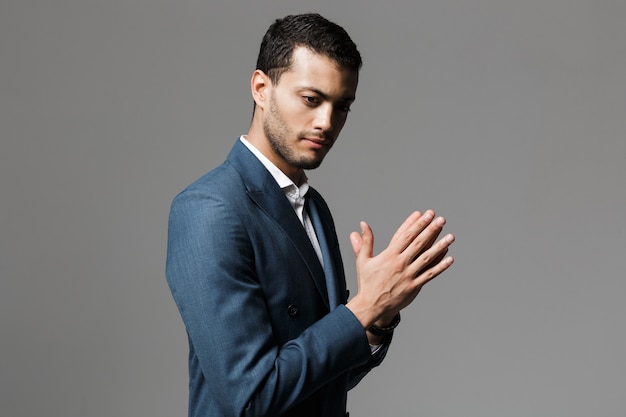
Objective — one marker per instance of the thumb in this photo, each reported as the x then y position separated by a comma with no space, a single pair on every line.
363,244
357,243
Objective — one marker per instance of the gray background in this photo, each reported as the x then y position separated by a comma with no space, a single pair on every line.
507,117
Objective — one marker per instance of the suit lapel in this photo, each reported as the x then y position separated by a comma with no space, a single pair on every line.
265,192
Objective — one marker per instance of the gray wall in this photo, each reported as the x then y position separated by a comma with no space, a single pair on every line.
507,117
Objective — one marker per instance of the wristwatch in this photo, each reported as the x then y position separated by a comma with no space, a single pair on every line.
383,331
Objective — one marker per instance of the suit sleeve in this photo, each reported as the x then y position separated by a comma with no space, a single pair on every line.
239,368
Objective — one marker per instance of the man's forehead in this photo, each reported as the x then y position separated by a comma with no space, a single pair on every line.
316,72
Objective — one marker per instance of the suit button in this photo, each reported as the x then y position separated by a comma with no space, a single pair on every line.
292,310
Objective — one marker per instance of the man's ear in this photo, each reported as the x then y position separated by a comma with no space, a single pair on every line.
260,85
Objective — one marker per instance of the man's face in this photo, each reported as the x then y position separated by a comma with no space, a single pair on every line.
307,109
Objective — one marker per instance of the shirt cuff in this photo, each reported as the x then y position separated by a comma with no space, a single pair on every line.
374,348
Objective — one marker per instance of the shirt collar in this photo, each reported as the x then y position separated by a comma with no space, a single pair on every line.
290,189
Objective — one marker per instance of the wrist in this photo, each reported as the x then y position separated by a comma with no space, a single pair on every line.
383,330
363,312
386,320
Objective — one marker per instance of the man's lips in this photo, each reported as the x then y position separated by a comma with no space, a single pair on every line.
318,142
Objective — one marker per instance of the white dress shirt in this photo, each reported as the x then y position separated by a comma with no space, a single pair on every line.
295,194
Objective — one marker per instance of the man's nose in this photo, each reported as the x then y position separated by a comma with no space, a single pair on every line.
324,118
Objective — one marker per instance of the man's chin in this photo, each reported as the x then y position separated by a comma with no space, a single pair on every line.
309,164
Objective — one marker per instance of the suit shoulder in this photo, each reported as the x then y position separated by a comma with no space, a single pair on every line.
221,181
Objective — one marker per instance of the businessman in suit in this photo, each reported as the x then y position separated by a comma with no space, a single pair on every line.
253,259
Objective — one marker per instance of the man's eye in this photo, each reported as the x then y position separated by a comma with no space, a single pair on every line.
310,99
345,109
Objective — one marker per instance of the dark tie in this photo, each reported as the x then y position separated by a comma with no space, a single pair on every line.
329,266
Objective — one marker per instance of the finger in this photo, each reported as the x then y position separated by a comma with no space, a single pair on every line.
437,259
434,271
366,240
357,243
409,230
408,222
426,238
434,256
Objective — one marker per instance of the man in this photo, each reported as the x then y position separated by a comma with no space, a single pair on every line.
253,257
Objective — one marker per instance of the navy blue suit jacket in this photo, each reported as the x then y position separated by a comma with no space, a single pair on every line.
252,294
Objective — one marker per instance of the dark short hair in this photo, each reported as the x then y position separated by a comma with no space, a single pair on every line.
308,30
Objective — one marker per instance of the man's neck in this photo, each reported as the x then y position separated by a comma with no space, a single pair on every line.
261,143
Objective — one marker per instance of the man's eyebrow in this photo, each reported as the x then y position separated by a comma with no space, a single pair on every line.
320,93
